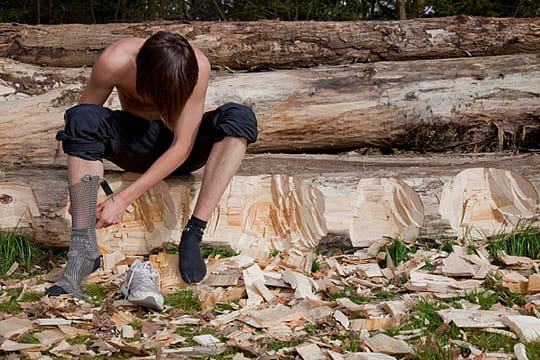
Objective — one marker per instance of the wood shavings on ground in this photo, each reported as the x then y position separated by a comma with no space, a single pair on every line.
350,305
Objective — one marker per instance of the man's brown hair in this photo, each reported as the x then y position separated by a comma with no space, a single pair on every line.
167,72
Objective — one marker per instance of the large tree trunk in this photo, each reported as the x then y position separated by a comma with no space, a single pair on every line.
480,104
276,44
270,212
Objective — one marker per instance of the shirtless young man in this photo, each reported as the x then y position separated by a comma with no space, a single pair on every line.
161,130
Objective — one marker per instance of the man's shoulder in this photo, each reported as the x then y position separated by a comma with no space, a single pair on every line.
120,56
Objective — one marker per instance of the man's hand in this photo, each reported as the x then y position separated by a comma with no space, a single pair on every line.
110,211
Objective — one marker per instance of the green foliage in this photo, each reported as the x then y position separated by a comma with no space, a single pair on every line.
106,11
398,250
274,253
275,345
136,324
29,339
81,339
533,350
17,248
434,348
491,342
223,252
348,292
315,266
523,241
32,297
97,293
384,294
11,306
485,298
184,300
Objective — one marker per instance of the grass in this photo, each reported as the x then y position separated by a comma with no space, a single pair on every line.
315,266
97,293
11,306
523,241
398,251
32,297
29,339
504,296
17,248
81,339
384,294
184,300
485,298
533,350
222,252
348,292
275,345
491,342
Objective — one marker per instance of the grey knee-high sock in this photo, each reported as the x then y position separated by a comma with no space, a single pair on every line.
83,251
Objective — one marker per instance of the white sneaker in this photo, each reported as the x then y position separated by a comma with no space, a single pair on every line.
142,286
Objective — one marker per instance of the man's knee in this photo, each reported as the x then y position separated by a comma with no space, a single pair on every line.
85,132
236,120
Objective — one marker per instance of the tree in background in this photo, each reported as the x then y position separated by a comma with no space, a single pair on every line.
105,11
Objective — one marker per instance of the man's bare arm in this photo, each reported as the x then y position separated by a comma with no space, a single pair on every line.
184,138
102,79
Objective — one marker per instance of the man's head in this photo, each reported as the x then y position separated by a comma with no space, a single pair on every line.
167,73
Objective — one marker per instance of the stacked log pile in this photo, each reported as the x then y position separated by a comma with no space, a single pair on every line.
456,84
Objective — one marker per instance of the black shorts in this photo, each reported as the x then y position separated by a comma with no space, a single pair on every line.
94,132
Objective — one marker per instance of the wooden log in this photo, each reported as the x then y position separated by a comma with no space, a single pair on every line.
474,104
283,44
335,176
480,202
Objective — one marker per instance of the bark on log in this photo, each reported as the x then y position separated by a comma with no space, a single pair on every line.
336,176
474,104
277,44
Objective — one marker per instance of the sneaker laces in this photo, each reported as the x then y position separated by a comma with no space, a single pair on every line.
149,277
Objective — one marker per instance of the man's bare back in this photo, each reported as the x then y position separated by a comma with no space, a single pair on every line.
118,64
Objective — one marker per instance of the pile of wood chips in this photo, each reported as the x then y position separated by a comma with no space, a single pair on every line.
281,299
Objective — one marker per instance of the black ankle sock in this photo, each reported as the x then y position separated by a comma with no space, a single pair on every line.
192,266
197,222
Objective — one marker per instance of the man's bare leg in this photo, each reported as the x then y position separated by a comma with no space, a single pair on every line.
222,164
83,256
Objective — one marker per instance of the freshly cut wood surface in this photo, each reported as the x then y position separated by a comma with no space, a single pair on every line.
384,207
283,44
480,202
472,104
165,208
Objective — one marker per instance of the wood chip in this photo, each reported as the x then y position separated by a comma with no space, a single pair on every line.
526,327
273,316
128,332
12,327
520,351
372,324
9,345
310,351
396,308
368,356
342,319
206,340
167,267
534,283
302,285
514,281
516,262
454,265
49,337
254,282
52,322
388,345
473,318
